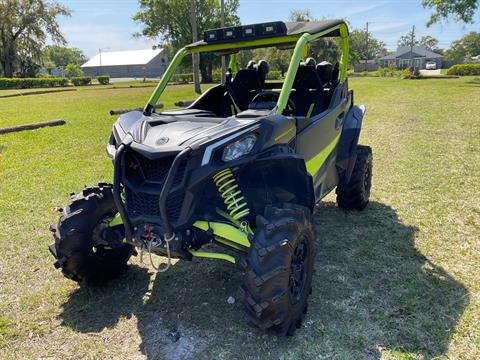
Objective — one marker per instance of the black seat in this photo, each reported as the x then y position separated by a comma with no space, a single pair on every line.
308,94
324,71
249,82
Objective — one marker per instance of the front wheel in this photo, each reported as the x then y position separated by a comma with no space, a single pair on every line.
279,269
86,248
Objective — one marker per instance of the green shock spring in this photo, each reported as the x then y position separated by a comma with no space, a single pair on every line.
231,194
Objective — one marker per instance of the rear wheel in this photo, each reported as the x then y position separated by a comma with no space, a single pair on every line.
279,268
86,248
355,194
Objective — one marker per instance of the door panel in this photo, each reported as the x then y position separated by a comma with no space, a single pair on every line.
317,140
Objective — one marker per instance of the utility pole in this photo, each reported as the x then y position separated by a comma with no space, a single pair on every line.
222,19
366,48
411,46
193,20
100,58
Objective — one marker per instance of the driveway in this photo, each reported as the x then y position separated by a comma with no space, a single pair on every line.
430,72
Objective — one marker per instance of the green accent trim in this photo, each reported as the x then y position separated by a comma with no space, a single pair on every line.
116,220
315,163
244,44
284,134
345,52
310,110
291,73
228,243
213,256
177,59
233,63
298,54
225,231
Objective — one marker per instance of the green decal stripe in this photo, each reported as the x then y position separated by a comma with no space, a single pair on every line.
315,163
284,134
210,255
310,110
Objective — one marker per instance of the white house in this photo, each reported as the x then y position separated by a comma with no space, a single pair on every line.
126,64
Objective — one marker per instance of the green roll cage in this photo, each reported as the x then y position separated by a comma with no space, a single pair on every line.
300,40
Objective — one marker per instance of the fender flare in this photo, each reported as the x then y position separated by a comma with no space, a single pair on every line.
347,145
271,166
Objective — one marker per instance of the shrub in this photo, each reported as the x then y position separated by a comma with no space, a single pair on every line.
464,69
217,76
26,83
81,80
73,70
103,79
274,75
182,78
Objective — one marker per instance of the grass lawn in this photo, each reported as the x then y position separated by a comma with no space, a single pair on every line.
399,280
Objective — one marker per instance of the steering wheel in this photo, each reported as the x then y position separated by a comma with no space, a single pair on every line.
268,100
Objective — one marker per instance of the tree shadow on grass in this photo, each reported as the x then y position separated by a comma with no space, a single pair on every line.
373,292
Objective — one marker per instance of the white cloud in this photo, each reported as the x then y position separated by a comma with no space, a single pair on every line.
91,37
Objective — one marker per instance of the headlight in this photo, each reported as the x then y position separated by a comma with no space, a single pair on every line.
239,148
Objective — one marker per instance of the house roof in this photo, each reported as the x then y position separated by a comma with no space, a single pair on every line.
130,57
419,50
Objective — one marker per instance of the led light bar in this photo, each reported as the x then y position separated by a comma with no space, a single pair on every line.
245,32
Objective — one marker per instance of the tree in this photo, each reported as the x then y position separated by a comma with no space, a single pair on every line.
358,47
61,56
429,42
324,49
301,15
466,47
170,20
26,24
406,40
461,10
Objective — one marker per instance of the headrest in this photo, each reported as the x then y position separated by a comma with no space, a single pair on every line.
262,70
309,62
324,70
251,64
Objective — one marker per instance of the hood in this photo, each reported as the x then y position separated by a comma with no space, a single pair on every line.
172,133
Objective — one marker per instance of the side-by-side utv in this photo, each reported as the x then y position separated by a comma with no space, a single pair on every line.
242,167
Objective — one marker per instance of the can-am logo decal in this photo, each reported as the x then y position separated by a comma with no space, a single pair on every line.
162,141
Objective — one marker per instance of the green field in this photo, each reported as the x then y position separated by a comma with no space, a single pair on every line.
400,280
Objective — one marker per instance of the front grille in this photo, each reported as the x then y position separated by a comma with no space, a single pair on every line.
153,171
144,204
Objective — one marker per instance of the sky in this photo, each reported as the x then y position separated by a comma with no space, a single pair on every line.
108,24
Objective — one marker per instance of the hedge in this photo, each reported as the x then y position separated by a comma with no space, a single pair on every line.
81,80
103,79
27,83
182,78
216,76
464,69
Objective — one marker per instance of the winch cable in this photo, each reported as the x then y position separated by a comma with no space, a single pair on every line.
158,269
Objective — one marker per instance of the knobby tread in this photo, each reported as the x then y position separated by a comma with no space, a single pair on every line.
355,194
265,291
73,242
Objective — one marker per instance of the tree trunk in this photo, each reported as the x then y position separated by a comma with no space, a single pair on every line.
8,68
195,56
7,61
206,71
